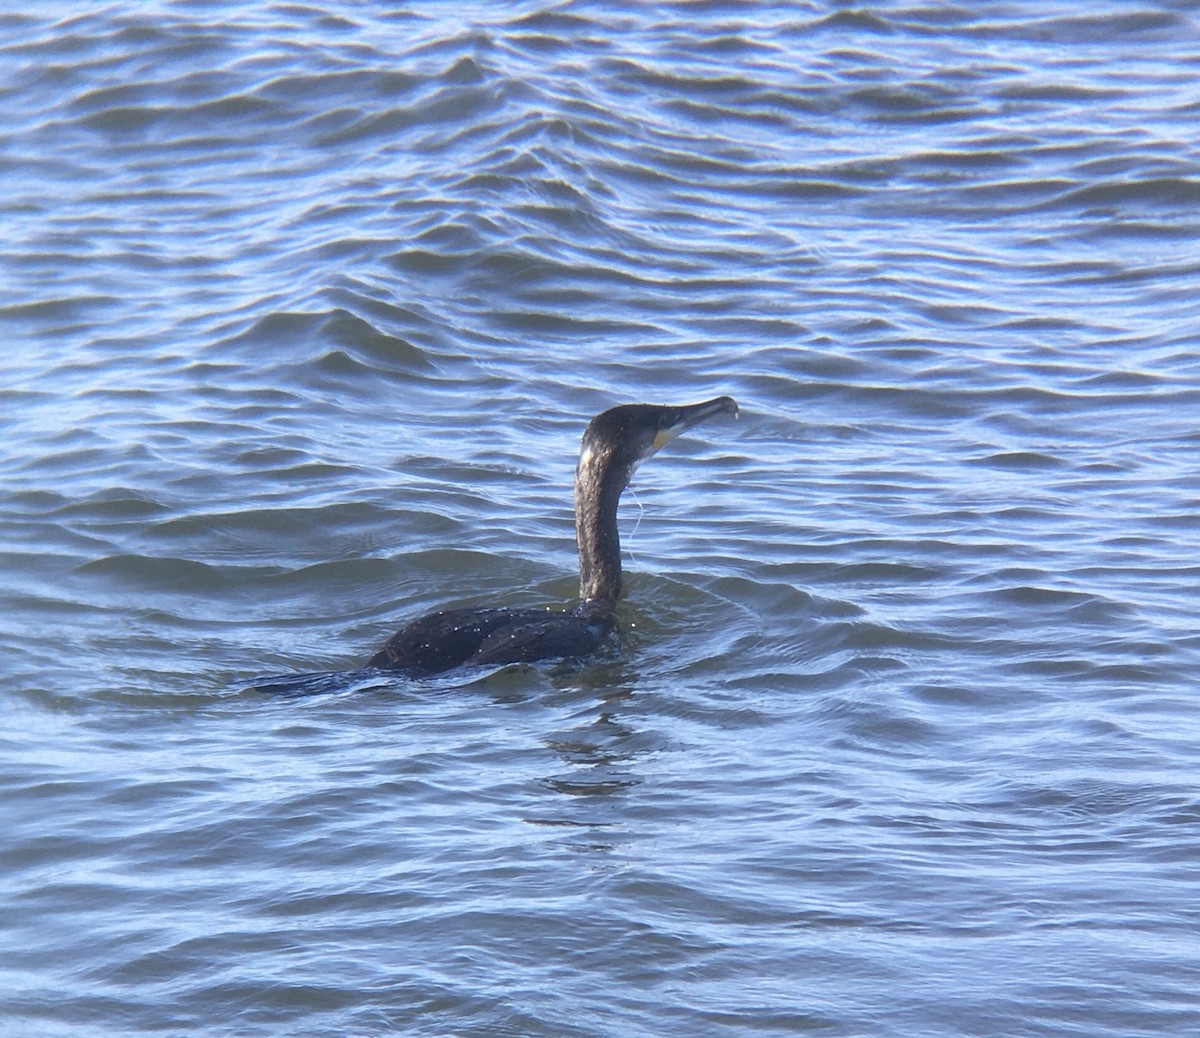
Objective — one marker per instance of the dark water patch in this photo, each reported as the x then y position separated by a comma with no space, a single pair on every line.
137,121
944,695
805,189
1020,460
918,102
852,21
558,24
1157,193
450,105
350,84
724,87
1077,605
165,573
68,311
1101,28
875,574
364,348
1056,93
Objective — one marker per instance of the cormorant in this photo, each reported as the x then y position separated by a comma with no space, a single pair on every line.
614,444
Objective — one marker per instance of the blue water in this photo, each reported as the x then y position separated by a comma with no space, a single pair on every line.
304,310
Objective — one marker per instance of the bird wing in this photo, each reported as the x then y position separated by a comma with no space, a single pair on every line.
441,640
541,636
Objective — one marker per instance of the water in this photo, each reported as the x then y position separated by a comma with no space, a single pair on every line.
304,310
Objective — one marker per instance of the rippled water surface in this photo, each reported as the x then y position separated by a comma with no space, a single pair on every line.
304,309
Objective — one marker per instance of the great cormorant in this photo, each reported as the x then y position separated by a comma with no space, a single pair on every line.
614,444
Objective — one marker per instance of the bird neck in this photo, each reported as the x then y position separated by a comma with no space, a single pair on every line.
596,496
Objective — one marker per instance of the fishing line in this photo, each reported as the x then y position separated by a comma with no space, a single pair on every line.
631,492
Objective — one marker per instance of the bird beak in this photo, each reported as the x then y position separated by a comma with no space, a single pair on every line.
693,414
